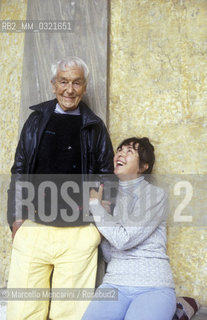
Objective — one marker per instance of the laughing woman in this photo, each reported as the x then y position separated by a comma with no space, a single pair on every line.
134,241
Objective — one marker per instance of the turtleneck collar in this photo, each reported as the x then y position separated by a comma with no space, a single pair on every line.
130,184
75,112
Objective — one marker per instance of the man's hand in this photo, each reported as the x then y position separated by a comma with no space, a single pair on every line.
99,195
15,226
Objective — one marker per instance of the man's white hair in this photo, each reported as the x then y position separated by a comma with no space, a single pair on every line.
69,62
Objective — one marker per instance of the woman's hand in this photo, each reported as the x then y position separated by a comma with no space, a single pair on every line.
99,195
107,205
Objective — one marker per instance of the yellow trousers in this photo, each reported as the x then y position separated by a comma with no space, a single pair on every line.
70,252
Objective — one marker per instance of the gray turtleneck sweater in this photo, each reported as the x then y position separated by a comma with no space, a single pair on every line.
134,244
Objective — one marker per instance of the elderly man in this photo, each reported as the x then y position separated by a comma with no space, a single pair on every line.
61,137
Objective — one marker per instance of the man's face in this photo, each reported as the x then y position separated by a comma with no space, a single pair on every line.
69,87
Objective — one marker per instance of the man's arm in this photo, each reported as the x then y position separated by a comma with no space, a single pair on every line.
104,152
105,165
15,226
18,169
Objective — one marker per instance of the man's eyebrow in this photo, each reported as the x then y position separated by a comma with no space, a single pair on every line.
64,78
61,78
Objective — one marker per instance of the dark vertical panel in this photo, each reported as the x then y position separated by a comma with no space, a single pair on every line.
88,40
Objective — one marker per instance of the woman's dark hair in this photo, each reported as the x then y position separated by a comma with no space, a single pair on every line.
145,151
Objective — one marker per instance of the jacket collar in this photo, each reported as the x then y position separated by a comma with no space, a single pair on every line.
88,116
48,107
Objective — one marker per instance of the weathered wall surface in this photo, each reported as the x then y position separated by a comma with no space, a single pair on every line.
158,88
11,59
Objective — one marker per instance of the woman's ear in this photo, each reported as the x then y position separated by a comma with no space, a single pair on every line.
144,167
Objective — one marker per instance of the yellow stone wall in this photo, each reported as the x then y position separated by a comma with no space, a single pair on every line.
158,88
11,58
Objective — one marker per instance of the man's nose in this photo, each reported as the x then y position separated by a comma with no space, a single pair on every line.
69,87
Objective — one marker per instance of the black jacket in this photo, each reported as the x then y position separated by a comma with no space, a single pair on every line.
96,147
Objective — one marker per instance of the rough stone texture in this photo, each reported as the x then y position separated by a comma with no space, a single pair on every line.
158,88
11,57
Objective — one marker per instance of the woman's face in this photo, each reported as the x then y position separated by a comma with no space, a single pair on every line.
126,162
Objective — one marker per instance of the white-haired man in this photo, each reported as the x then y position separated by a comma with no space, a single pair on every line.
61,137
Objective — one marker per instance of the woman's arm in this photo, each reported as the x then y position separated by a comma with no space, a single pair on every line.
149,212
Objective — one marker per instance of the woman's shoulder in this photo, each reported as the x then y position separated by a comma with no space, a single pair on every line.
150,188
